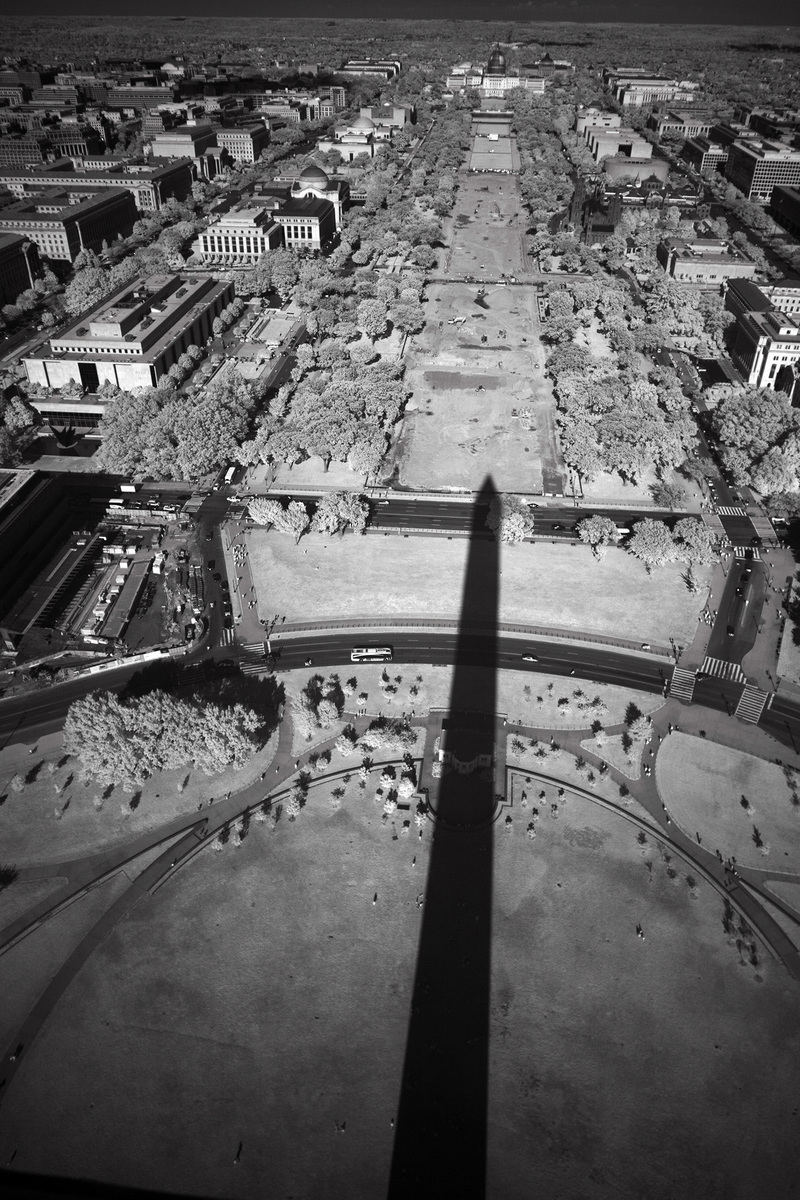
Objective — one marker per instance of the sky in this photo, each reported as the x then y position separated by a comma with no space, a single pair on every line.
667,12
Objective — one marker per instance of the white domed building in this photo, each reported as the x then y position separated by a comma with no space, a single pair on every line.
314,182
360,136
493,80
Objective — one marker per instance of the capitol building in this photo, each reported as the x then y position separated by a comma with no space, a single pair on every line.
493,80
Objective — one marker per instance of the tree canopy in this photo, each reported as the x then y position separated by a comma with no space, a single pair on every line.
125,743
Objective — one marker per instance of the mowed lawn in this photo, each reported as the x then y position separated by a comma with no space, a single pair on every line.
702,785
541,584
245,1025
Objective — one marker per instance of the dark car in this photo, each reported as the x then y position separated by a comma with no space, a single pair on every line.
209,536
755,540
745,575
216,576
212,562
730,631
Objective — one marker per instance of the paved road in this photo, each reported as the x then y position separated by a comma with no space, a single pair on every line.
736,626
399,513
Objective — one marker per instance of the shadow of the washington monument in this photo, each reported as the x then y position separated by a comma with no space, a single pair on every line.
440,1137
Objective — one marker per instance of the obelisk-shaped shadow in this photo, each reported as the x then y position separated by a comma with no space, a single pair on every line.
441,1129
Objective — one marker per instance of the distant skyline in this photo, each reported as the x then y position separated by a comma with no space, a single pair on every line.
676,12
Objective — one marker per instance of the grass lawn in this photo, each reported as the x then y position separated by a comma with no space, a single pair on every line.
93,817
789,893
702,783
611,751
527,699
261,998
27,968
553,585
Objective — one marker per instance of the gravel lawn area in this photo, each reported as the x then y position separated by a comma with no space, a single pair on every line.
93,817
258,1002
466,420
541,584
311,473
702,784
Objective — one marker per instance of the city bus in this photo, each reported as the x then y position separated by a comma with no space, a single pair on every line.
371,654
229,474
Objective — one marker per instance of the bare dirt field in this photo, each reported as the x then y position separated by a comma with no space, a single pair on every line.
481,404
259,1002
553,585
478,407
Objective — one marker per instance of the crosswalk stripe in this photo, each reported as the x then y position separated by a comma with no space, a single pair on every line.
731,510
226,638
751,704
746,552
682,684
723,670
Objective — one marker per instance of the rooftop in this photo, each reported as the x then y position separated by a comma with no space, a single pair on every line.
707,249
137,321
309,206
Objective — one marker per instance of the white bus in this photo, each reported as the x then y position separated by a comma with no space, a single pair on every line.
371,654
229,474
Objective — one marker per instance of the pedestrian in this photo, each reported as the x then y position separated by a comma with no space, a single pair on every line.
639,931
699,841
375,899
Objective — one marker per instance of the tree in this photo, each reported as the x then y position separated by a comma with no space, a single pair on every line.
408,316
597,532
327,713
265,511
694,541
371,318
86,289
651,542
509,519
366,454
354,510
327,518
297,520
669,495
127,742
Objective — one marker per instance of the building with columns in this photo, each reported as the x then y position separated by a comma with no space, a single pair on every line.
240,237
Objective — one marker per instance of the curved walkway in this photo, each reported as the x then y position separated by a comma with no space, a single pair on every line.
199,834
84,872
